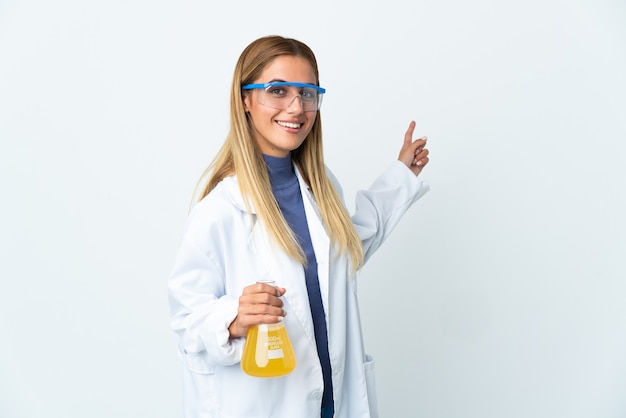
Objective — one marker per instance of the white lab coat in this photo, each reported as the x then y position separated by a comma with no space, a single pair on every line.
223,250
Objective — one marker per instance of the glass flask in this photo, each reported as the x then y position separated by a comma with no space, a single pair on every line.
268,351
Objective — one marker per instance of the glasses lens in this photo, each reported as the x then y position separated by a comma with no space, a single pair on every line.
282,97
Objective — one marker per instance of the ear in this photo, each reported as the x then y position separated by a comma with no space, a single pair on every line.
246,101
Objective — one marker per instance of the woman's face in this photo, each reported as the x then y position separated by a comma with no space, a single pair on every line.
278,132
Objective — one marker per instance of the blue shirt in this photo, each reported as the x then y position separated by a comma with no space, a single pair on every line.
286,189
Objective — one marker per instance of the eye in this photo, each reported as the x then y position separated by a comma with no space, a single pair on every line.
276,91
308,94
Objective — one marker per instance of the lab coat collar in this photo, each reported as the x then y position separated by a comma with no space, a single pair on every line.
321,244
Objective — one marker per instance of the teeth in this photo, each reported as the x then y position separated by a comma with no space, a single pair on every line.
289,124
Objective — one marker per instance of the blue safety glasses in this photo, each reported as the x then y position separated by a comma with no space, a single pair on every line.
281,94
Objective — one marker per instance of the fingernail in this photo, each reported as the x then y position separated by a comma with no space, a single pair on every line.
419,163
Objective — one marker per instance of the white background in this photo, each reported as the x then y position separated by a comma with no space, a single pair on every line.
500,294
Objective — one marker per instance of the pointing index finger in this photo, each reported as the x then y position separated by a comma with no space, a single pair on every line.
408,136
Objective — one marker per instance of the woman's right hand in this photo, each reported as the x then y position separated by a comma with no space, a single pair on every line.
259,303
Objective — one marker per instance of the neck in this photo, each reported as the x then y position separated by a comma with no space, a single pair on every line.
280,169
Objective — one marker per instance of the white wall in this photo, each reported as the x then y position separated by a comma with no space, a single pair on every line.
501,294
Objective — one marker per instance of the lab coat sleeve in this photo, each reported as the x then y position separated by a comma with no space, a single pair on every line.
379,208
201,312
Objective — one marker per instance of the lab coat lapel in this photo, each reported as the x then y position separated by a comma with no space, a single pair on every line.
276,265
319,237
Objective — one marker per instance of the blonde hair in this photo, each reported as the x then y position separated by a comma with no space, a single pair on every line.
241,155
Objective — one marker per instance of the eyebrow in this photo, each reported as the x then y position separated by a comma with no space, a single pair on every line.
279,80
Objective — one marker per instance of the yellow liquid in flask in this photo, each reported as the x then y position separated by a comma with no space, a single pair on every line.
268,351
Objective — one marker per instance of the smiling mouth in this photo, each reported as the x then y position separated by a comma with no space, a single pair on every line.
289,124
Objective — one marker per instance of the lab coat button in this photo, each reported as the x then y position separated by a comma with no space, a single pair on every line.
317,395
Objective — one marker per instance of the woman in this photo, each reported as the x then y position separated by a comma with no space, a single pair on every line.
270,210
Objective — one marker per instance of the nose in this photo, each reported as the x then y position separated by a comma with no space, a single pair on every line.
295,106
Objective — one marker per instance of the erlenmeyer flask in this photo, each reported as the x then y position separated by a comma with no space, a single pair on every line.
268,351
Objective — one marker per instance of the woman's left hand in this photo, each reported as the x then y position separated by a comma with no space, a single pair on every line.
413,153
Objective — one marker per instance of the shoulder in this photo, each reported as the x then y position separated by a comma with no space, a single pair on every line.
218,208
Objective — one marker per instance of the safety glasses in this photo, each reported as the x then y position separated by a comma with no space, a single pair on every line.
281,94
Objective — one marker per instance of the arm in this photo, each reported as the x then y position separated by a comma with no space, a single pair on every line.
209,318
380,208
200,310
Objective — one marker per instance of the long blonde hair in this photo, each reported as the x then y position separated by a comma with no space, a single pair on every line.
241,155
